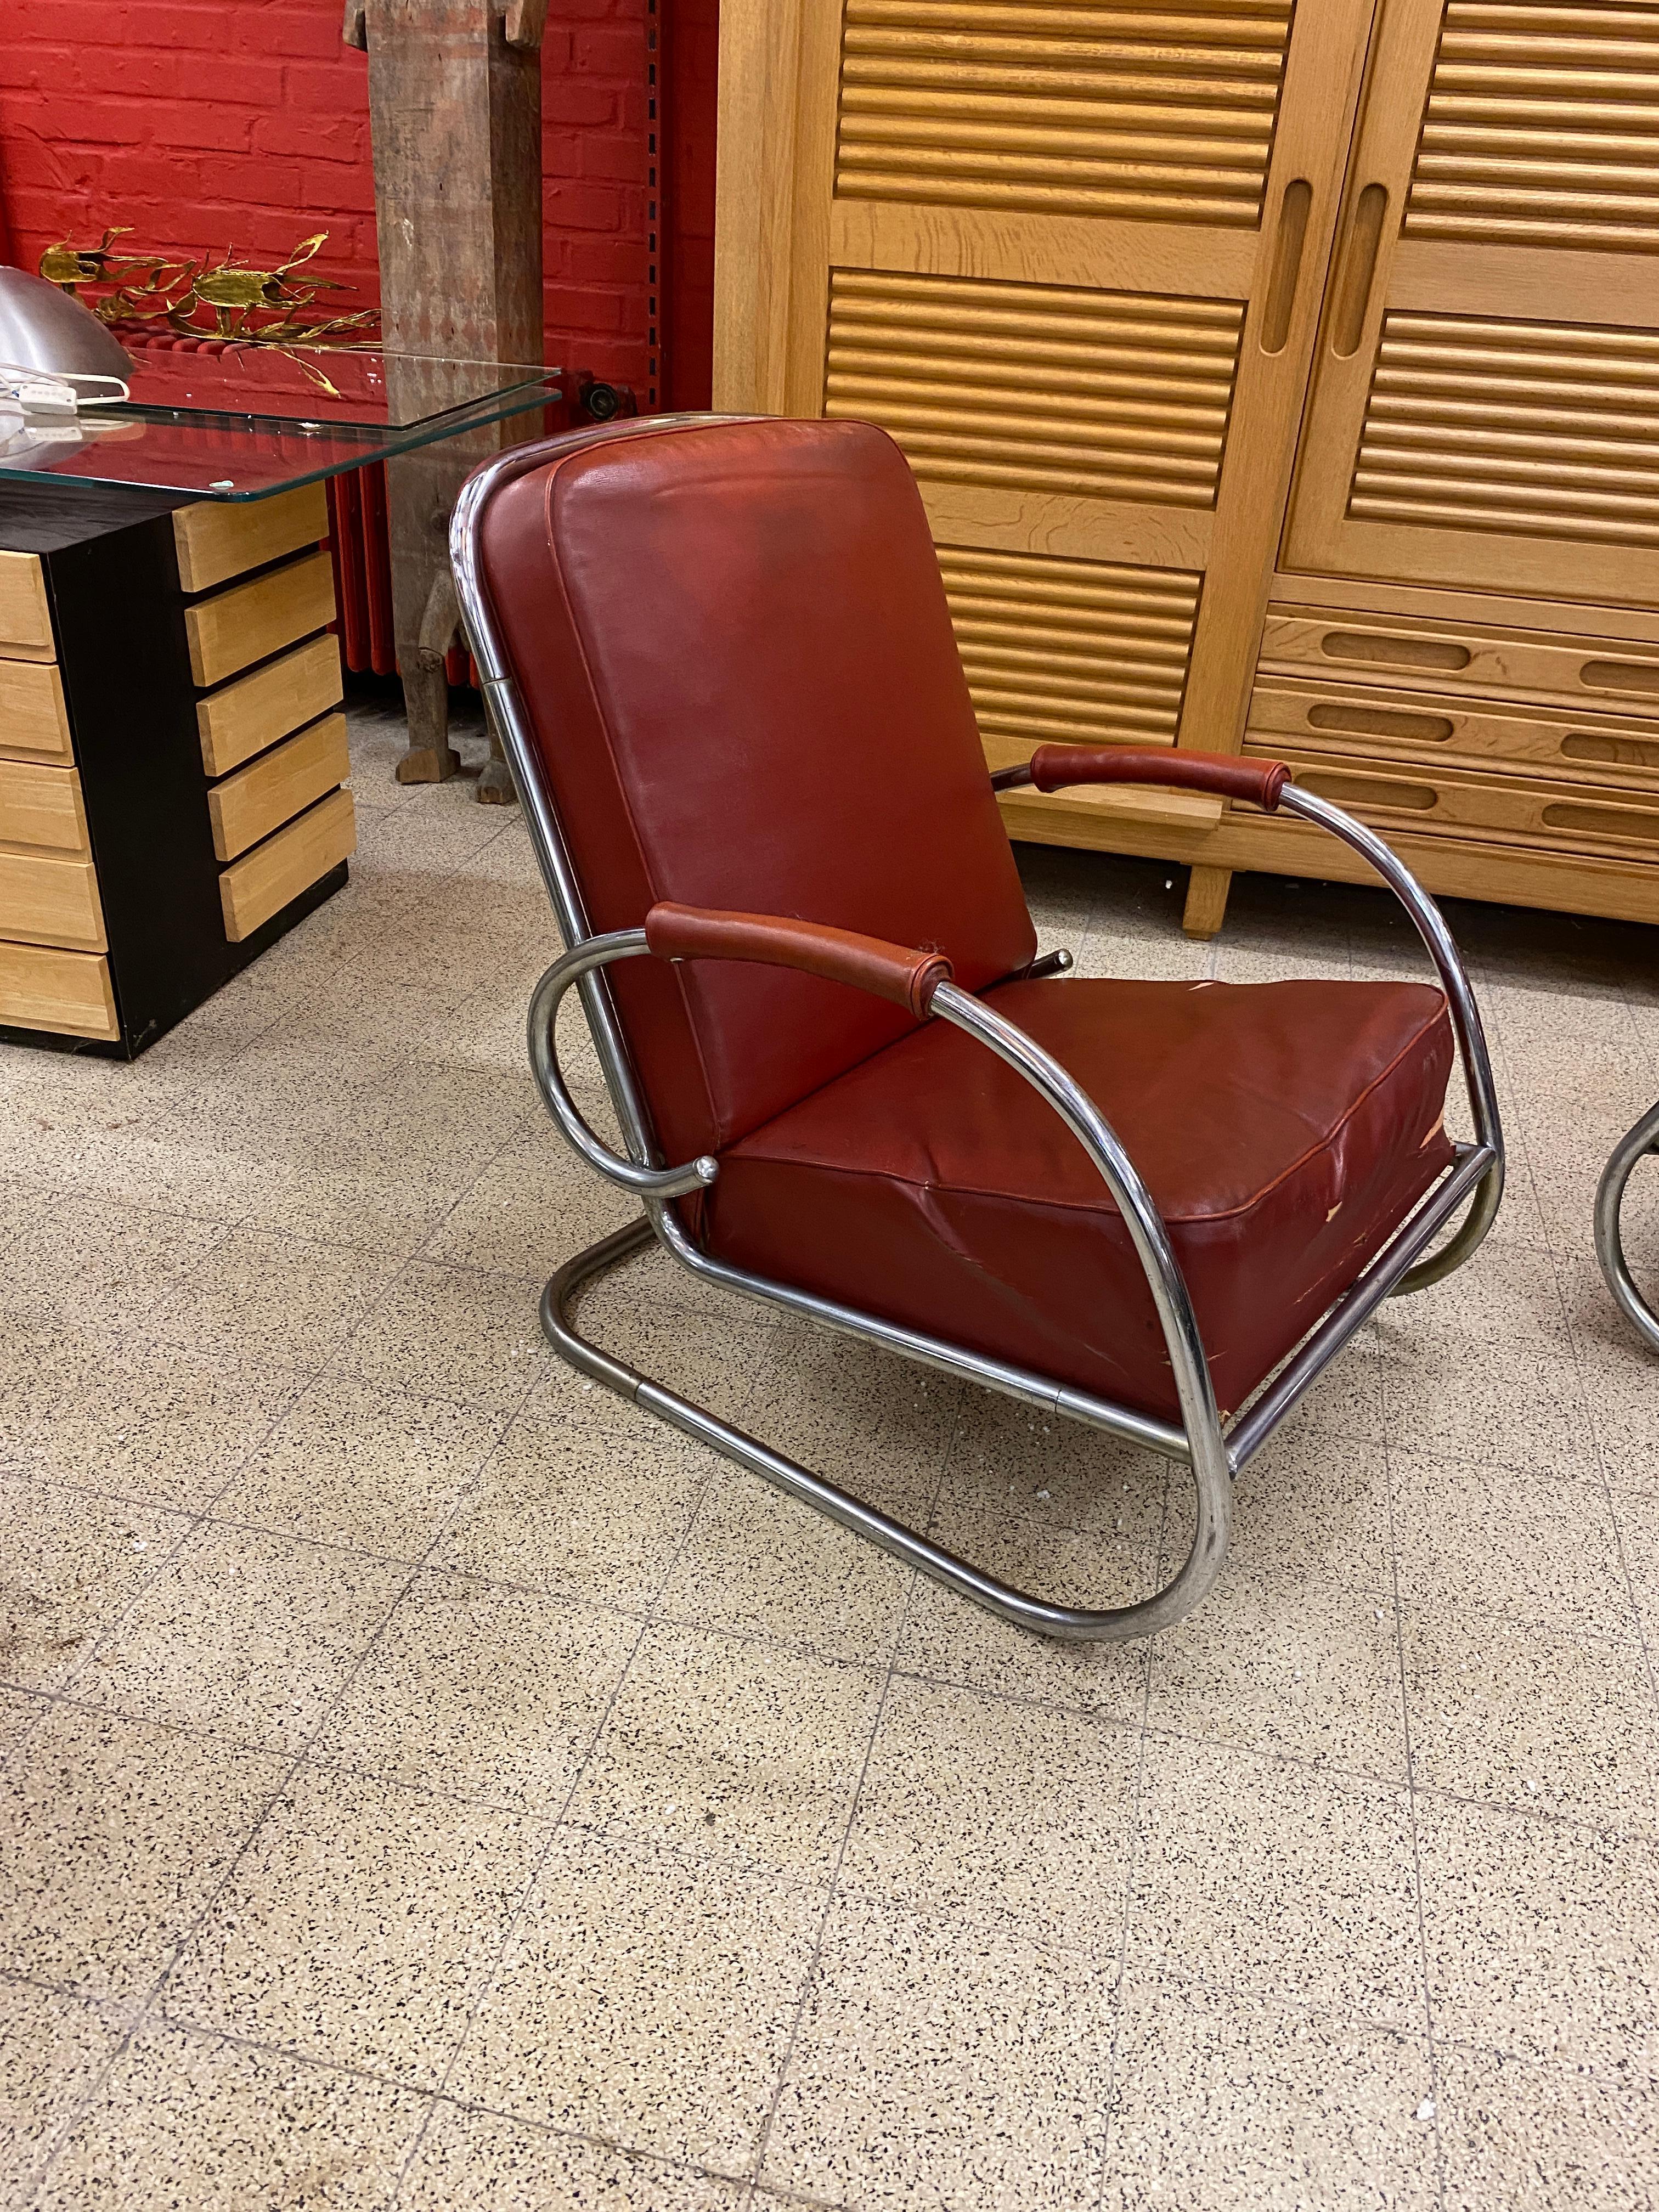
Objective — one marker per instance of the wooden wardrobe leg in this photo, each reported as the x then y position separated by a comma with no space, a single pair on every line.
1206,901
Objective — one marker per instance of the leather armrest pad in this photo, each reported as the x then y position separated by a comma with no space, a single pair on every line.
1229,776
869,964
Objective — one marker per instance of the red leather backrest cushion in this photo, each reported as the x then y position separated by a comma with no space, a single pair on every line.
733,650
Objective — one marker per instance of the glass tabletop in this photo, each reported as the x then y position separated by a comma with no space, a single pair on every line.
212,420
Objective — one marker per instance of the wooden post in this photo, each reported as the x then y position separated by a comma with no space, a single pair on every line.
1206,901
455,105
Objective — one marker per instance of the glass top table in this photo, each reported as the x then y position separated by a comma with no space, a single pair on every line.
210,419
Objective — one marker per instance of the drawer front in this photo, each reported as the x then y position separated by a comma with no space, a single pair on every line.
244,717
233,629
45,900
217,539
1358,722
42,805
25,612
1459,661
42,988
34,720
261,883
1522,811
279,785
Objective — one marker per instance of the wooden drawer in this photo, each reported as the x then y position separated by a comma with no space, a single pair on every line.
42,988
42,805
45,900
262,882
34,720
1511,810
1460,662
1357,722
24,612
244,717
218,538
231,629
279,785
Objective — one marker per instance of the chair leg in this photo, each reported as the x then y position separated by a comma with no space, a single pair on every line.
1206,901
1070,1623
1609,1243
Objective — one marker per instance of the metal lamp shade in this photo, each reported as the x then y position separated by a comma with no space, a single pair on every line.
42,327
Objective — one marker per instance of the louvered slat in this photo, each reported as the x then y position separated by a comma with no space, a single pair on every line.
1164,114
1465,429
1543,128
1070,652
1113,394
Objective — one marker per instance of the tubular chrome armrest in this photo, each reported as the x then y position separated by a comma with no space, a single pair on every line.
908,977
1267,784
747,937
1229,776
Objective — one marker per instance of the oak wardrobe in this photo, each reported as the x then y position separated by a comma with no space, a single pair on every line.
1278,373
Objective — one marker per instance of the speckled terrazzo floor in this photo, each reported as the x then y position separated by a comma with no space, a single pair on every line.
427,1783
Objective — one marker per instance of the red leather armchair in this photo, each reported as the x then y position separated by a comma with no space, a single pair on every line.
719,657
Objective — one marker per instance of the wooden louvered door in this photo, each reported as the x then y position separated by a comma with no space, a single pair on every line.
1486,407
1072,257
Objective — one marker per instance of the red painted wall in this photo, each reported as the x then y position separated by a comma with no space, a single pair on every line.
206,123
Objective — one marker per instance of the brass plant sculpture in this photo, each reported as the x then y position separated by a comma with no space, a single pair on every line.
243,306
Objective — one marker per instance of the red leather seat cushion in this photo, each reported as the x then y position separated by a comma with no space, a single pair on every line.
1284,1130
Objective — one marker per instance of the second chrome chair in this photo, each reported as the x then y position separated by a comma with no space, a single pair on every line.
719,657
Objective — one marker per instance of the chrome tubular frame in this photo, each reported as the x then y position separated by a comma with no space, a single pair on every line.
1213,1456
1636,1145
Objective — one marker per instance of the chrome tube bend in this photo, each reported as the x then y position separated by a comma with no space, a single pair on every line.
1211,1467
1442,949
1636,1145
576,967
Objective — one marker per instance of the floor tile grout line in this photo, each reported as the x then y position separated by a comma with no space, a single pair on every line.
1137,1821
150,2008
147,2011
1412,1800
490,1976
832,1887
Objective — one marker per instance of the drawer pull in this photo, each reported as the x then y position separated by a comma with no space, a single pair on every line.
1641,677
1382,722
1604,822
1616,753
1394,652
1362,791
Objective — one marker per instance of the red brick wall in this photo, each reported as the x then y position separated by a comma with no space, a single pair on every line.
212,123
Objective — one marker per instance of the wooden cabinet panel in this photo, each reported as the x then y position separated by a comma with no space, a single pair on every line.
1151,112
33,719
216,539
1071,651
1435,799
241,719
1072,261
279,785
251,621
42,988
1486,398
24,612
1451,657
1371,724
42,805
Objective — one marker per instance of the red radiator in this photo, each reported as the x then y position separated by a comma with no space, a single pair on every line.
362,573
